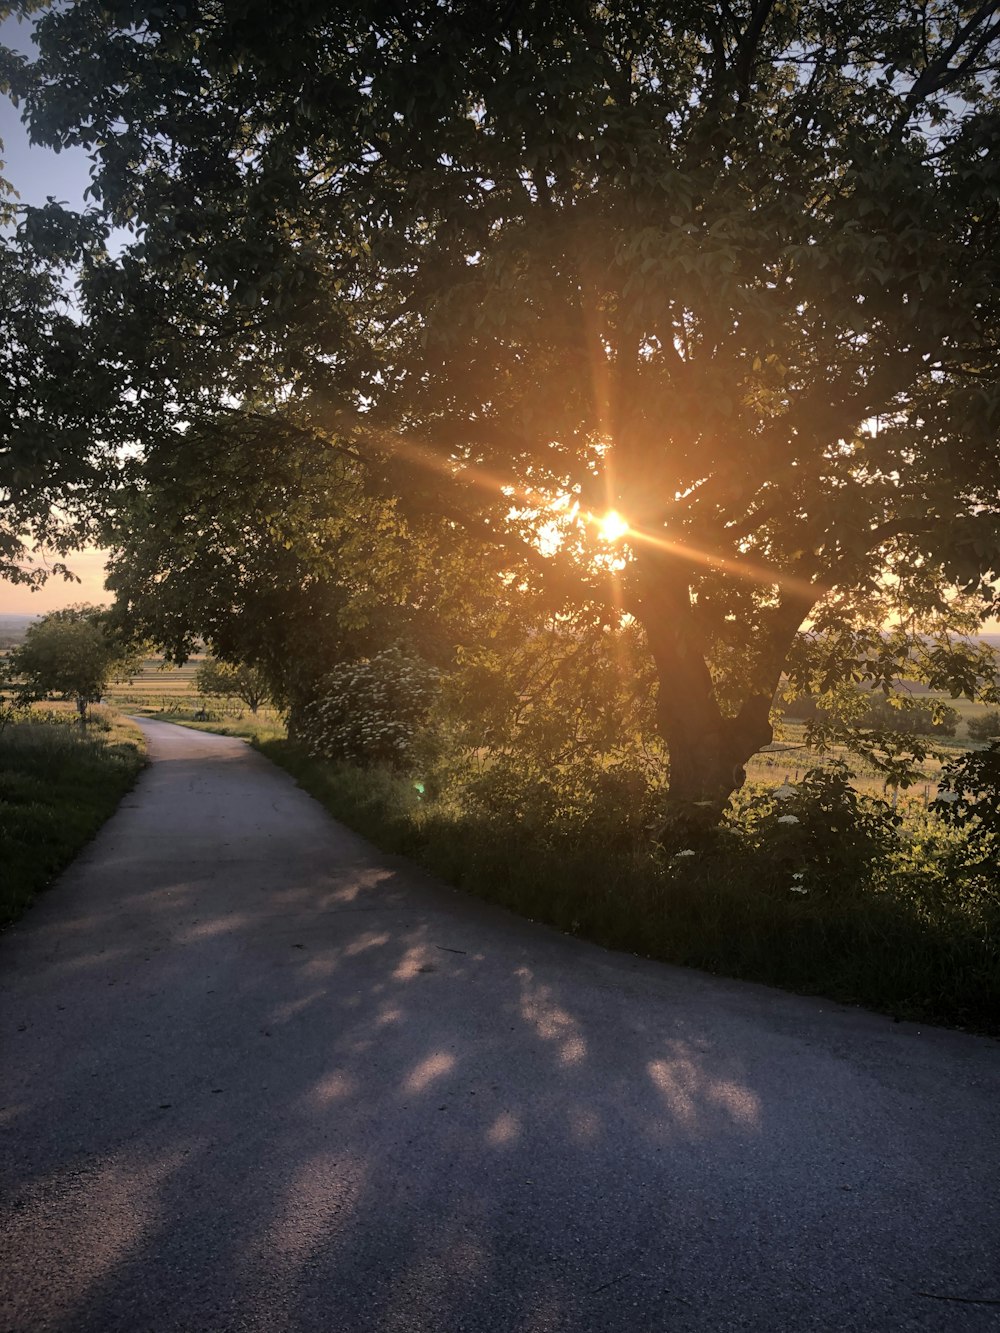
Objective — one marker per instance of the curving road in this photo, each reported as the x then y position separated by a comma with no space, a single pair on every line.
258,1076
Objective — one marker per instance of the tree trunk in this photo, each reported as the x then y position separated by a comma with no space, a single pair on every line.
708,750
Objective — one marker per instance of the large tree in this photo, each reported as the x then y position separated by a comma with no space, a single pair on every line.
727,269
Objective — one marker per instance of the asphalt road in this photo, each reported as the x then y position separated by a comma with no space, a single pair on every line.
259,1076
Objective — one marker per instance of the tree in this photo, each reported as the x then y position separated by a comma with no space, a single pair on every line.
985,728
51,383
223,680
728,271
47,459
72,652
249,535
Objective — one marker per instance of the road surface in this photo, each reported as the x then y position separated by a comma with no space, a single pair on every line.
259,1076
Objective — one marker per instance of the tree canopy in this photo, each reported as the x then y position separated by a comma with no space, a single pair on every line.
49,387
727,270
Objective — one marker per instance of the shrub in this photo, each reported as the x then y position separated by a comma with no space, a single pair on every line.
969,799
370,711
609,802
819,835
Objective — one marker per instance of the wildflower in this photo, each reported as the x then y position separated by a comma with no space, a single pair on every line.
788,819
797,888
688,851
799,874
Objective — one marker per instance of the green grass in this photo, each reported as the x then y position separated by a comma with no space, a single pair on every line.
59,782
267,725
917,952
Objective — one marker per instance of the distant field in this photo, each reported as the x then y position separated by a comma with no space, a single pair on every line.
156,682
170,692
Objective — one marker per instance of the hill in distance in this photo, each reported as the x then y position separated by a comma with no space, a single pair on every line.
13,627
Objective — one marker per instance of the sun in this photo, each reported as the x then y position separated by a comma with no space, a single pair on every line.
612,526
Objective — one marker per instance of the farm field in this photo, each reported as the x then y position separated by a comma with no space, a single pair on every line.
169,692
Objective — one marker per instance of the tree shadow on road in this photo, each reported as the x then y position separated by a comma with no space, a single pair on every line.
355,1100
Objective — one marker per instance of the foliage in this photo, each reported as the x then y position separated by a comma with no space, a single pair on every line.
226,681
58,784
986,727
11,708
845,668
730,271
818,836
370,710
969,799
258,538
897,711
902,713
74,653
553,689
612,802
51,389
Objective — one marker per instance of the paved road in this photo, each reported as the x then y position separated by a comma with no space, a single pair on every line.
258,1076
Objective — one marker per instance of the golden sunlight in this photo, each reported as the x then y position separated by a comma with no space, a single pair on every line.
612,526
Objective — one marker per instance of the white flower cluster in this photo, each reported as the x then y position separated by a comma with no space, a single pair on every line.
370,710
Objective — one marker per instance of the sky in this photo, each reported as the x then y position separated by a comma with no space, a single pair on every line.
36,172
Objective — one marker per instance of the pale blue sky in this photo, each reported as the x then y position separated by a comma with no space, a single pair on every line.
36,172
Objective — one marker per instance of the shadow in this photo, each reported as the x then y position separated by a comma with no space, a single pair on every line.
301,1086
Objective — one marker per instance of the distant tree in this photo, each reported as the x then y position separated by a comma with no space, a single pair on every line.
901,713
986,727
74,653
223,680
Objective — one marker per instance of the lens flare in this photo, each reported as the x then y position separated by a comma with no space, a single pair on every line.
612,526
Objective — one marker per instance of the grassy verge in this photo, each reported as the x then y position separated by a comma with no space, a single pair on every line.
58,784
916,952
266,726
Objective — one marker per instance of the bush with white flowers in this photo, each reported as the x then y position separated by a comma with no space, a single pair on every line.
819,832
370,711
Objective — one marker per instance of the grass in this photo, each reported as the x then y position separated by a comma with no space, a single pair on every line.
920,951
267,725
59,782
